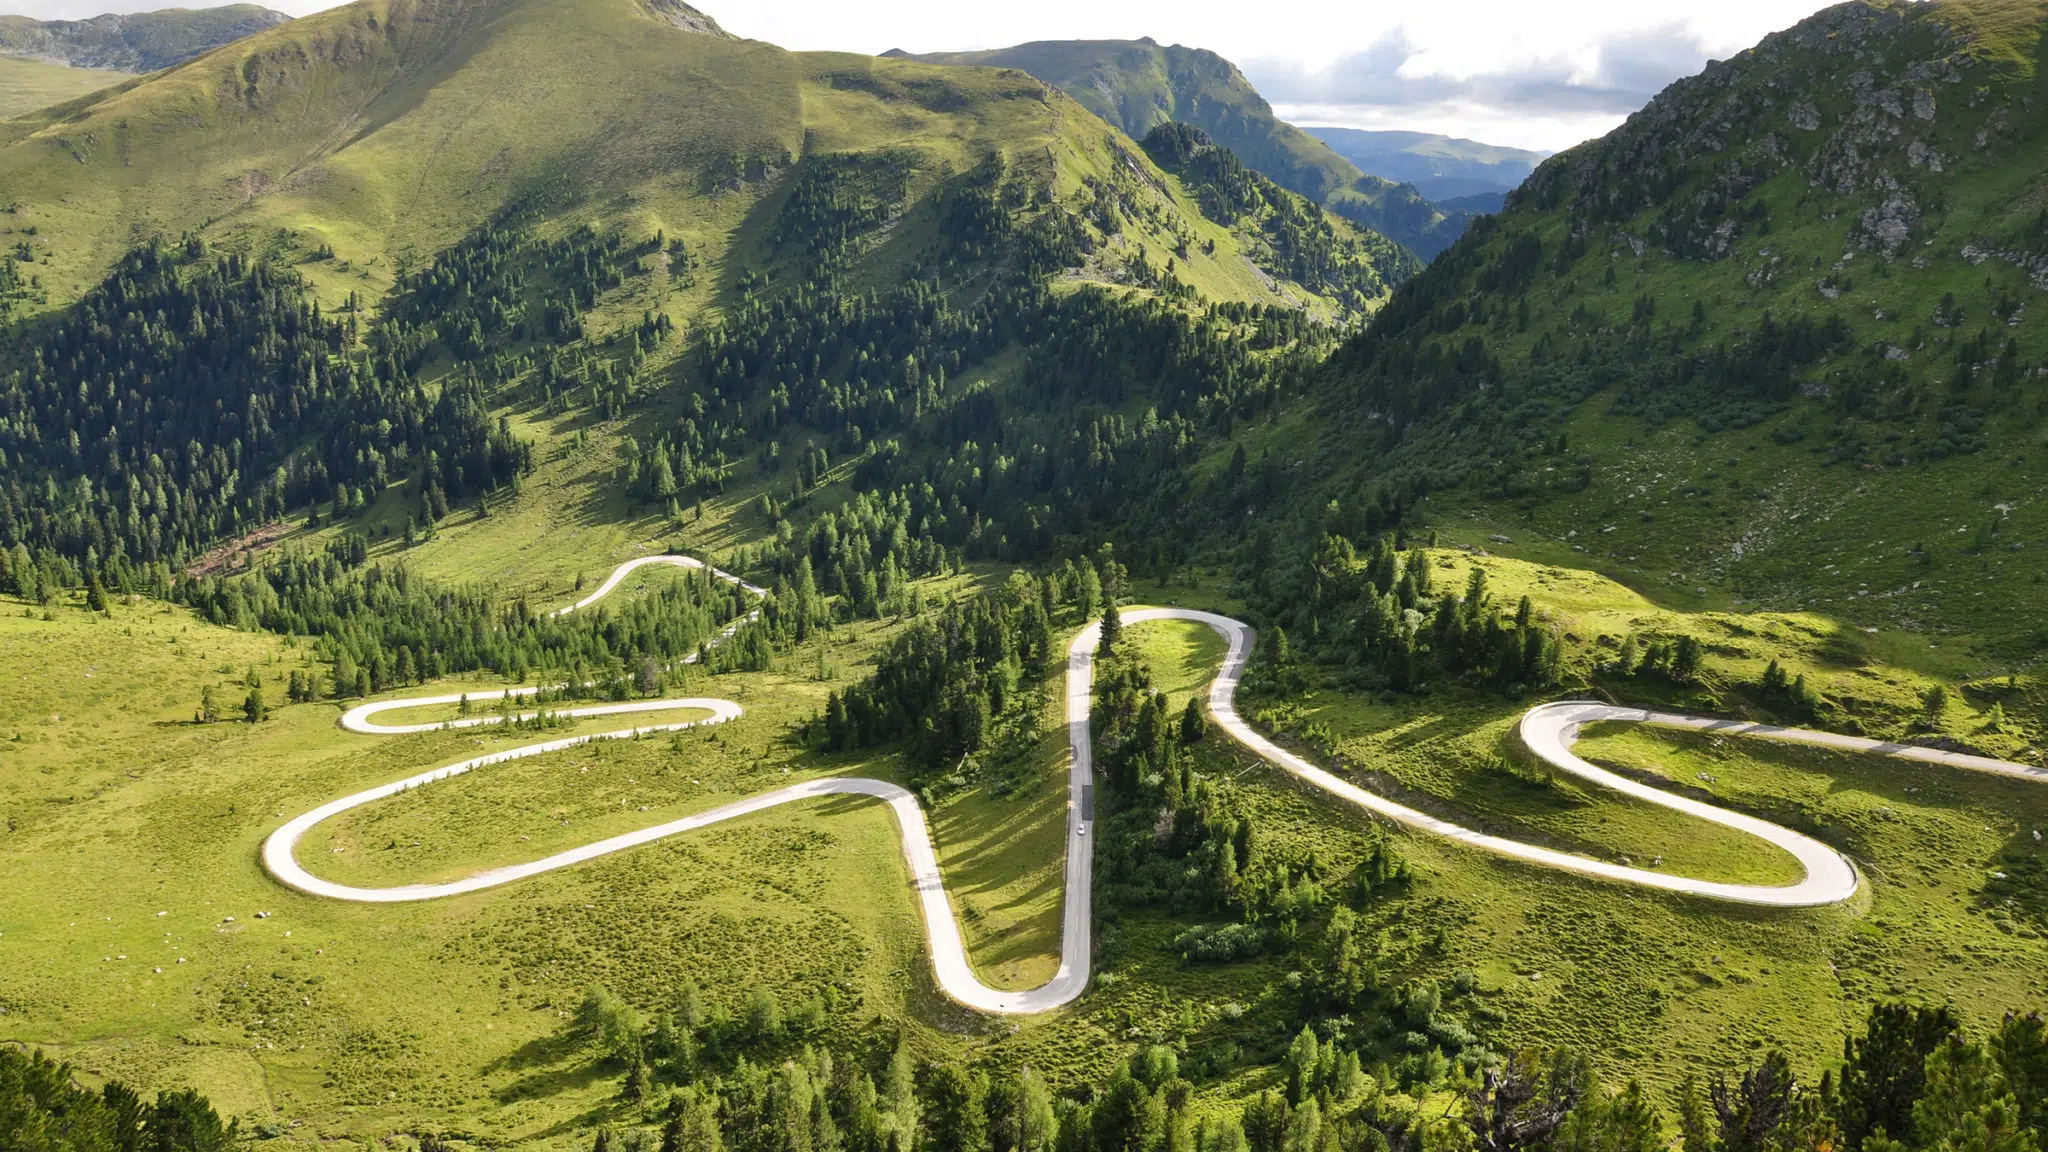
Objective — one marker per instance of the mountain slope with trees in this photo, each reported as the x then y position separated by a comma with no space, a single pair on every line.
1138,85
344,314
1774,336
375,135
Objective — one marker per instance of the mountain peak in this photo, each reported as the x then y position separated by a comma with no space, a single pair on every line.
677,14
1137,85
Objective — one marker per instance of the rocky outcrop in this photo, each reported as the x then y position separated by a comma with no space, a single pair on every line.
677,14
1865,100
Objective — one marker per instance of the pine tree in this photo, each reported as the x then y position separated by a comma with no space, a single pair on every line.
899,1096
764,1016
1277,653
1035,1122
1968,1106
1685,660
1112,630
344,675
954,1111
2021,1044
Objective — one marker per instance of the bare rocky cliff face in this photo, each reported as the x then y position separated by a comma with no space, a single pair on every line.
136,42
680,15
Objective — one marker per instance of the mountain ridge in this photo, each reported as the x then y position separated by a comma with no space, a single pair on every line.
1443,168
1779,313
134,42
1139,84
386,130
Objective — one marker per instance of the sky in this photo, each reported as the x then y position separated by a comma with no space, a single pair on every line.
1523,73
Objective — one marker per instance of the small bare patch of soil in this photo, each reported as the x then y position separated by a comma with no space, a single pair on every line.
218,559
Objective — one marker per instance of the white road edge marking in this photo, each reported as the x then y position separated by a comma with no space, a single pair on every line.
1549,730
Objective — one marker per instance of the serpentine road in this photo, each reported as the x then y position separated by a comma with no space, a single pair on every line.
1549,730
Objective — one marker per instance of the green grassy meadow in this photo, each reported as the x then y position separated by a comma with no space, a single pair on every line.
285,1008
352,1020
26,85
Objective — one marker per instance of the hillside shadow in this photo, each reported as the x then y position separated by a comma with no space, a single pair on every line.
550,1065
550,1049
2018,886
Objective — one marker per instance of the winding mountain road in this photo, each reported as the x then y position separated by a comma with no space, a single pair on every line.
1549,731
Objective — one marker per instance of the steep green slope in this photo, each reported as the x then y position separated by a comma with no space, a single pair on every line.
1283,231
385,131
1441,167
134,42
1138,85
446,218
1771,339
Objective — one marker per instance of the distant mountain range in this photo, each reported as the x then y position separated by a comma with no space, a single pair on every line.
1139,84
470,113
1443,168
141,42
1417,189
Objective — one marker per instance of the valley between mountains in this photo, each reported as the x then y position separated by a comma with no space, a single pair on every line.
479,530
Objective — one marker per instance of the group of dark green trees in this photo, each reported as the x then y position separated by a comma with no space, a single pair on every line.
1297,234
186,400
43,1109
1378,618
1166,837
1911,1079
382,627
945,684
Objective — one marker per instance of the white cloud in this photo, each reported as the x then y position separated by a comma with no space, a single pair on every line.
1506,71
1488,125
1550,98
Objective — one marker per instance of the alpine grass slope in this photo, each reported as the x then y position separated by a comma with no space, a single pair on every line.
384,132
1774,339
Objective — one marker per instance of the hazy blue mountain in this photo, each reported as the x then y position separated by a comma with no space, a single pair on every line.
1441,167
